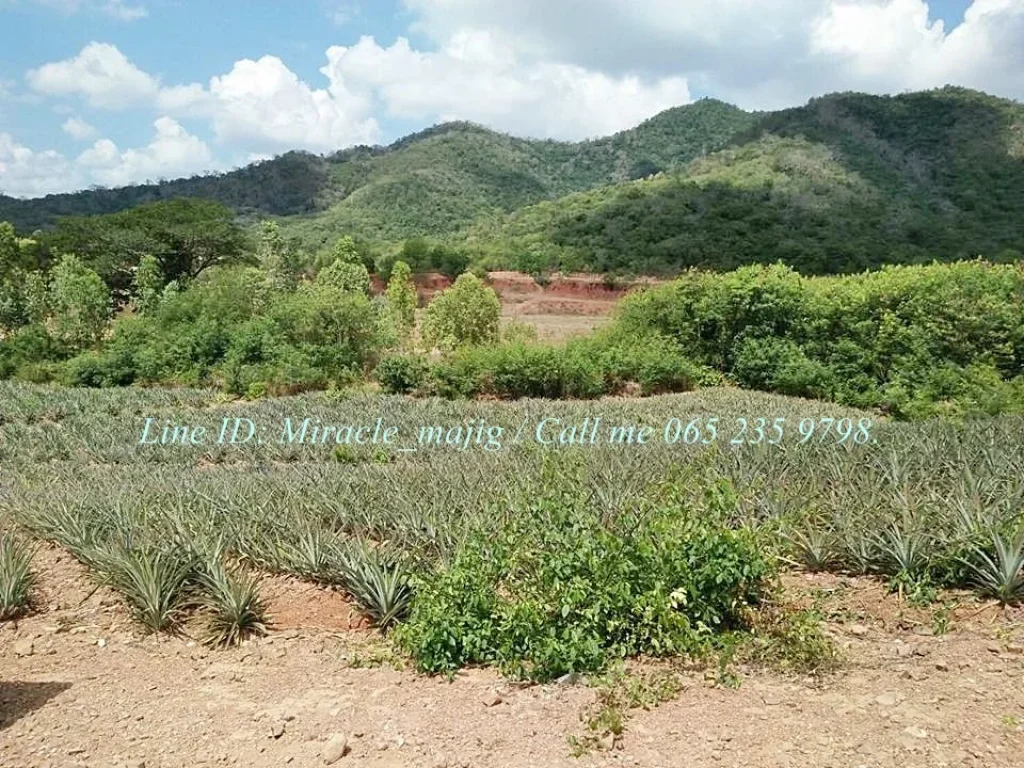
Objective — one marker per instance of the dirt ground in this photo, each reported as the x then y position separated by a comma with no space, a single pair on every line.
79,686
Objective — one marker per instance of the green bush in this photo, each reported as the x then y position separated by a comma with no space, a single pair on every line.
557,589
915,341
401,374
468,313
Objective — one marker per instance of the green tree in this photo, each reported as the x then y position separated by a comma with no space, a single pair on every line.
345,276
401,293
187,236
345,250
80,302
37,297
149,283
9,251
277,257
467,313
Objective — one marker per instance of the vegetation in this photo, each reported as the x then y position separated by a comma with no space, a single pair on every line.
16,576
848,182
845,183
540,559
913,341
468,313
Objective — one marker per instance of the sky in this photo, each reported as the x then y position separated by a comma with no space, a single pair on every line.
114,92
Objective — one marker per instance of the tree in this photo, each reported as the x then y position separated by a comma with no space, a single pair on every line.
187,236
345,276
149,283
277,257
9,251
80,302
401,293
467,313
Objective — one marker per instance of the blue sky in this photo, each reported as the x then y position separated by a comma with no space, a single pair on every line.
111,92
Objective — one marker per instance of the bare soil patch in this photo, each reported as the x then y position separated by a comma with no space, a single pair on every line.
80,686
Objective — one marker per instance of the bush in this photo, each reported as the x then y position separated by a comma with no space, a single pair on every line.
916,341
557,590
401,374
468,313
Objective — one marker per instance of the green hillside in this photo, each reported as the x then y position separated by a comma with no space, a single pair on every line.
431,183
845,183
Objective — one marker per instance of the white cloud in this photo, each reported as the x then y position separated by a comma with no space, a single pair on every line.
478,76
894,46
78,129
26,173
172,153
262,105
101,74
760,54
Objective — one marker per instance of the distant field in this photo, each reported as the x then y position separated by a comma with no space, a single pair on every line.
559,327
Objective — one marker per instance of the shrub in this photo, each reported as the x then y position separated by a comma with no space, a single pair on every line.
346,277
558,590
80,302
401,374
401,293
467,313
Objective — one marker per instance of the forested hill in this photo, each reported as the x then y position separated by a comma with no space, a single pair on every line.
430,183
844,183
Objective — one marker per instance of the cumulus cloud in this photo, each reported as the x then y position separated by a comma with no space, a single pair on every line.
479,77
78,129
761,55
25,173
101,74
261,105
173,152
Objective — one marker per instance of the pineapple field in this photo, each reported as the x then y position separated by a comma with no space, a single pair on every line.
589,587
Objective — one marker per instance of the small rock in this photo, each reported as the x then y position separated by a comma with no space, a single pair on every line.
859,630
903,650
888,699
102,642
1015,649
491,699
994,648
607,742
942,666
277,731
336,748
24,648
917,733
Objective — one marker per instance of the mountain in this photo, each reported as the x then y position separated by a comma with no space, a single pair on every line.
847,182
430,183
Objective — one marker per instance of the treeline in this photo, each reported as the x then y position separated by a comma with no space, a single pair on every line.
150,296
912,342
